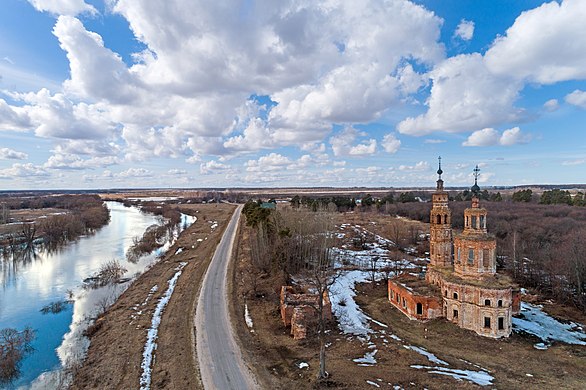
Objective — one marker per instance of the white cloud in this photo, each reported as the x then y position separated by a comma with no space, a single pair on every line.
343,143
13,118
434,141
514,136
133,173
544,45
484,137
420,166
577,98
63,7
465,30
465,96
57,116
73,161
390,143
213,167
574,162
551,105
10,154
96,72
270,162
177,172
491,137
23,171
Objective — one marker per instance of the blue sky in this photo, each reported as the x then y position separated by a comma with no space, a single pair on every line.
182,93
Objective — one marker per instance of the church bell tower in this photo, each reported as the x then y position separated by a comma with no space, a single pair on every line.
440,219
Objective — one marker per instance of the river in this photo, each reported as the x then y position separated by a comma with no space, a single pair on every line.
58,276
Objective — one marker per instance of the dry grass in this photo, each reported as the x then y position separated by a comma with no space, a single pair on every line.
117,340
274,355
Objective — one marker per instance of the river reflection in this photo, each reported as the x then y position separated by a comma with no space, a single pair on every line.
46,277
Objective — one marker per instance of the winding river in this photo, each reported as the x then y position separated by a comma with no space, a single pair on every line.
58,276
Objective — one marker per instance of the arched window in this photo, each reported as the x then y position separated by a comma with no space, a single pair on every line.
500,303
487,302
455,295
445,218
439,219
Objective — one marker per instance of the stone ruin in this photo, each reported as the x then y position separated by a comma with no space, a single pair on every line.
300,310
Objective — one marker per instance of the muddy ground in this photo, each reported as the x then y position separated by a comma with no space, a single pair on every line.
275,356
118,337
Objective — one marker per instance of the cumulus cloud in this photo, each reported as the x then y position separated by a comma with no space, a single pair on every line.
57,116
544,45
469,92
133,173
75,162
491,137
10,154
63,7
24,171
420,166
213,167
390,143
343,143
551,105
13,118
577,98
465,96
96,72
465,30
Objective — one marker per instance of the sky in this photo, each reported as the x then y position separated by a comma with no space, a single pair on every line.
192,93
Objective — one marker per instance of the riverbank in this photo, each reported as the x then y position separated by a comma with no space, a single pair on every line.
118,337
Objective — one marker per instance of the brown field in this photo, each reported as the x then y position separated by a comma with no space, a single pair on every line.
274,355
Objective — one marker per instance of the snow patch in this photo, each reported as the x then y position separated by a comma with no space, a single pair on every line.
430,356
367,360
247,318
373,383
538,323
151,345
481,378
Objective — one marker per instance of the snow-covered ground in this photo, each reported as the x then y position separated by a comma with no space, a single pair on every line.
535,321
353,322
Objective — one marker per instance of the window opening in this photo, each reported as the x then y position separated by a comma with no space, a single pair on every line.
501,323
487,322
419,309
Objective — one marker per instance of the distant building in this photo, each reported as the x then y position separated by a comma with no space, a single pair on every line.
268,205
462,284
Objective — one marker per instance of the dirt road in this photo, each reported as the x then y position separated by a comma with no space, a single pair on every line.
219,356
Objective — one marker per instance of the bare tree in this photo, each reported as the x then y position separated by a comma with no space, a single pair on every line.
14,345
320,274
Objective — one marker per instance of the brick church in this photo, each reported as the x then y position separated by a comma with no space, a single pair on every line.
461,282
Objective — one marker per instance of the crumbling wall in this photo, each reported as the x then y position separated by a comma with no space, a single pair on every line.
300,310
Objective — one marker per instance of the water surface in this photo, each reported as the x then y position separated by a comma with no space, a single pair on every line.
51,277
